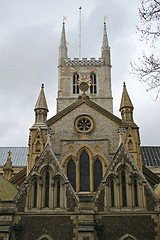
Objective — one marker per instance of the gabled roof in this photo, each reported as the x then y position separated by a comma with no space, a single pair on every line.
151,177
84,100
38,163
18,155
151,155
116,161
19,177
7,190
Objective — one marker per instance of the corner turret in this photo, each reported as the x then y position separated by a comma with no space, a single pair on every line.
37,137
131,137
126,107
41,110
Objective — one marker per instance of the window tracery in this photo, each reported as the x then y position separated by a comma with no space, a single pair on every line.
93,87
75,83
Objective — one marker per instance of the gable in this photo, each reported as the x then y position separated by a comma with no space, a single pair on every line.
85,99
124,185
45,178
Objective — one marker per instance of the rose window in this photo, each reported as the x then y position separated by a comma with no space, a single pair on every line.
84,124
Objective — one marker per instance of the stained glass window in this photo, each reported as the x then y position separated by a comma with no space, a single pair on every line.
97,171
84,172
71,173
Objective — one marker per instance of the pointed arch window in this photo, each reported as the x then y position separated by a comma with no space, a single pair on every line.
93,87
75,83
71,173
35,194
112,193
58,193
135,192
84,172
97,172
124,195
47,189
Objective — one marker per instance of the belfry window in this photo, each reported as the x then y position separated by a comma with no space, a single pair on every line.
84,172
47,189
124,196
75,84
93,87
71,173
97,172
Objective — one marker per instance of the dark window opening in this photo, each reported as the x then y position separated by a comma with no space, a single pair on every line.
135,193
97,171
124,196
112,193
93,87
75,84
84,172
35,194
58,193
47,189
71,173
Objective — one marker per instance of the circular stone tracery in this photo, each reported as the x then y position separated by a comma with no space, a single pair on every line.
84,124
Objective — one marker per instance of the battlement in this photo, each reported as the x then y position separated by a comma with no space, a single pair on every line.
84,62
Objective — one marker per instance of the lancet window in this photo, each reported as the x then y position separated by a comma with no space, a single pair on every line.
85,173
71,173
124,196
97,173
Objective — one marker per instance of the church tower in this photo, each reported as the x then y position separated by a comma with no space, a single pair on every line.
37,137
98,70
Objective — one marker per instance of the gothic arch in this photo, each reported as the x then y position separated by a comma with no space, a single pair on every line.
127,237
45,237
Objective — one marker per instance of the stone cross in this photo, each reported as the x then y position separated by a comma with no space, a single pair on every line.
121,131
49,132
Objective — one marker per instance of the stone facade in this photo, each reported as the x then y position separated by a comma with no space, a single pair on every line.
84,178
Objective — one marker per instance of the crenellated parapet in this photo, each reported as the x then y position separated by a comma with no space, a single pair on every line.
84,62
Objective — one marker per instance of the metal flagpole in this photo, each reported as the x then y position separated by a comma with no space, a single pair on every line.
80,32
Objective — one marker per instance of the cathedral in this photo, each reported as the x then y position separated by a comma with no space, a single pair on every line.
84,175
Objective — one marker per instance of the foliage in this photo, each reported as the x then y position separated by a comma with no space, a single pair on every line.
148,67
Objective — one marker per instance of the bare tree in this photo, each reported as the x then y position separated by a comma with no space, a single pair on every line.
148,67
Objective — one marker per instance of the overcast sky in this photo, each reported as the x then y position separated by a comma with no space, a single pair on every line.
29,40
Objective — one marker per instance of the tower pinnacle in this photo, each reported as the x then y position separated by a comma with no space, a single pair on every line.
126,107
41,110
105,39
63,46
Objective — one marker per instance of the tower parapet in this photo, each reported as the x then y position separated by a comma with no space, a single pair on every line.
98,70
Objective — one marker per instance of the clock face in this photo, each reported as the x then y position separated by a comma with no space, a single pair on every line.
84,79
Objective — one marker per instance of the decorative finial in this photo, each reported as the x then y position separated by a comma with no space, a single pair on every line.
124,84
105,18
49,132
42,85
121,131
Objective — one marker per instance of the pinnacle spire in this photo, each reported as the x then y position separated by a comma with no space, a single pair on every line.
63,46
126,107
125,101
41,102
105,45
